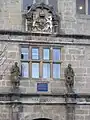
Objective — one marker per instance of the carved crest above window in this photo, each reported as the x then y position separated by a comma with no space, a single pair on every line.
41,18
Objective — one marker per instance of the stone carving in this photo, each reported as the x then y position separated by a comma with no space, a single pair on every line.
69,78
43,23
42,18
15,75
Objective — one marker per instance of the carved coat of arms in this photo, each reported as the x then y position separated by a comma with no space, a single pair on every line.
42,23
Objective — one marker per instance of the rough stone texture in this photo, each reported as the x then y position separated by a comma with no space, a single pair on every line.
75,51
5,112
10,14
82,112
41,111
71,22
78,56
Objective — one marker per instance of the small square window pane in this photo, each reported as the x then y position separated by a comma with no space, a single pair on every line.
25,69
35,70
35,53
56,54
80,6
56,71
46,70
46,54
24,53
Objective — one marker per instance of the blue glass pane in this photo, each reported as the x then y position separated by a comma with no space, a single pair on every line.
89,7
56,71
56,54
46,54
46,70
24,53
80,6
35,70
25,69
35,54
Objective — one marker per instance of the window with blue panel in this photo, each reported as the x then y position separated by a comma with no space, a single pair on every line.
35,70
24,53
46,54
81,6
35,53
56,54
56,71
25,69
46,70
40,63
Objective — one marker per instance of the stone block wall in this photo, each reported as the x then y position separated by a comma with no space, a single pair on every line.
71,22
53,112
82,112
7,58
5,112
77,55
74,51
10,15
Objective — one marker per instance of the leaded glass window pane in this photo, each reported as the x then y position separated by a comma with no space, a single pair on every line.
24,53
35,53
46,70
56,54
25,69
35,70
80,6
56,71
46,55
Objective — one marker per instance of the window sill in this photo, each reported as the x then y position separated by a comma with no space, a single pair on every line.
42,80
83,16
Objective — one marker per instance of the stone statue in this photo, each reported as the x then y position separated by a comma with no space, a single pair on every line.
69,78
15,75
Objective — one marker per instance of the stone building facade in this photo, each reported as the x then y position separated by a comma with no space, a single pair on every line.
42,93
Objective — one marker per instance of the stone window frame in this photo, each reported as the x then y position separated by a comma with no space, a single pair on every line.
41,61
86,8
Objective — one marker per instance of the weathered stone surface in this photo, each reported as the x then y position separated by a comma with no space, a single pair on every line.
74,50
44,111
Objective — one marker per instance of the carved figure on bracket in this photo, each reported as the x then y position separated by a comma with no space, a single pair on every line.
69,78
15,75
